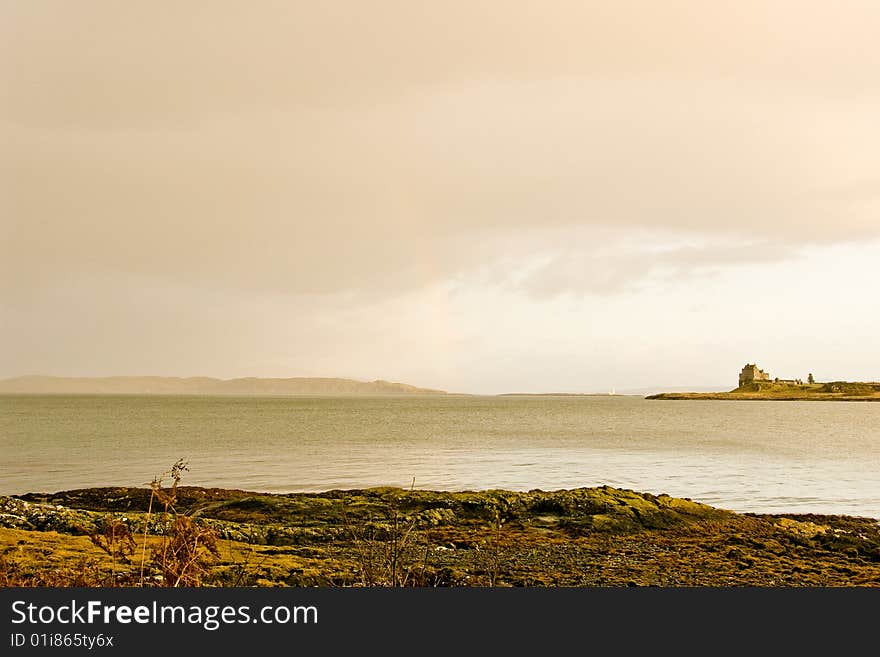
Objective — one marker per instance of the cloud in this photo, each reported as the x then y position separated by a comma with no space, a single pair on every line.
619,264
407,194
289,150
101,64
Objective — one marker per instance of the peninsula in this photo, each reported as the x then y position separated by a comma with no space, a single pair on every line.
165,385
756,384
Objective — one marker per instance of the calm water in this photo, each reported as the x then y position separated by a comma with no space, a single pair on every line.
821,457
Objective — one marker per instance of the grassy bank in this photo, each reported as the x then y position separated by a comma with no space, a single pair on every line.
392,537
770,391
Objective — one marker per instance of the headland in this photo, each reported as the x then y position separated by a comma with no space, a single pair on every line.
757,385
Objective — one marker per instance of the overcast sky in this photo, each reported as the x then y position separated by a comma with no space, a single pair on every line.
479,196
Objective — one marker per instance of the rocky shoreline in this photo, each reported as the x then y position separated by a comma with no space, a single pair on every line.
386,536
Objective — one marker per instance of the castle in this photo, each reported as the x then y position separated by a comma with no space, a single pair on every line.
751,373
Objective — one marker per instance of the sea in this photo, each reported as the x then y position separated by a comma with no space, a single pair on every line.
746,456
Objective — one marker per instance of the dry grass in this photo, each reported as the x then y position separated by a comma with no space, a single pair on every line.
47,558
387,550
188,550
183,555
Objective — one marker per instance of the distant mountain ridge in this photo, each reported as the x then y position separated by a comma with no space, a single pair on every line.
202,385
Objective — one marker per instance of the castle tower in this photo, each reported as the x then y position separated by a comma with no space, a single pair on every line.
751,373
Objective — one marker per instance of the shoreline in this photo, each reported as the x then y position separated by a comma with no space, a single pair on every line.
786,391
736,396
600,536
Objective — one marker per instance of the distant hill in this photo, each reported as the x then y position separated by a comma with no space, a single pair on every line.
162,385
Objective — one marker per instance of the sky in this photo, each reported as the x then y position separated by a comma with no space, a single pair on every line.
478,196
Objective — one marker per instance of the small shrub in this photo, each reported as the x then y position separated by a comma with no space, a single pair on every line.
187,550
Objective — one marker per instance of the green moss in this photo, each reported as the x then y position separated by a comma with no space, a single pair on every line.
578,537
